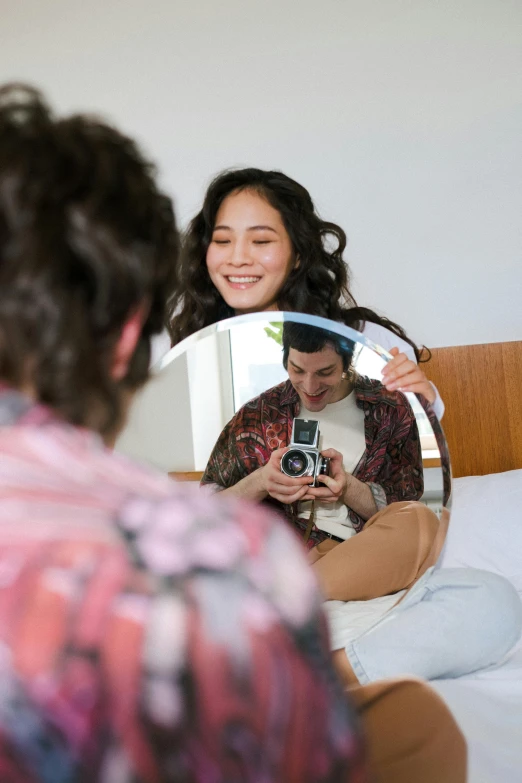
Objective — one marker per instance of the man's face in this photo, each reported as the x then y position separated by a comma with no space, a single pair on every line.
317,377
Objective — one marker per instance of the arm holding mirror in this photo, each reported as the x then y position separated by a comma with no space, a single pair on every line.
404,367
404,374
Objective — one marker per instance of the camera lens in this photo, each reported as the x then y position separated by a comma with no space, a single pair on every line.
295,463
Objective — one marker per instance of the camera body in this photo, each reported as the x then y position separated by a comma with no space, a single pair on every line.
303,457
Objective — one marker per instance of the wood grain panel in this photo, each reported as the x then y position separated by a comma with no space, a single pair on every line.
187,475
481,386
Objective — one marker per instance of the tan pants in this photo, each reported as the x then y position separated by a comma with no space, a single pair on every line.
411,736
396,546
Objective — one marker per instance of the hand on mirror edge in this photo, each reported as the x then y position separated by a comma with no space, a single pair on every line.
402,374
279,486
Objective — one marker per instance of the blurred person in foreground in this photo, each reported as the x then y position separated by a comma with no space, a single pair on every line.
147,632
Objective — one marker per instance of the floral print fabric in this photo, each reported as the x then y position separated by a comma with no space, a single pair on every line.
150,632
391,464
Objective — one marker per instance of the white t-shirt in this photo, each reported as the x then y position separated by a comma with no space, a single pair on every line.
341,427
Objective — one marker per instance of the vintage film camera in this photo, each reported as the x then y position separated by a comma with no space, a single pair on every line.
303,457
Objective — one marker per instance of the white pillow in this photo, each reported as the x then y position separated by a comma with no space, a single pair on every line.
485,529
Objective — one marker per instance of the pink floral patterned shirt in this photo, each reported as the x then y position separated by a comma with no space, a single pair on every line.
150,632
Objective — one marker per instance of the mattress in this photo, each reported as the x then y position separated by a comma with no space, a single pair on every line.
486,532
488,708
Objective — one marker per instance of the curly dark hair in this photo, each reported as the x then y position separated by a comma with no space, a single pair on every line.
318,285
86,238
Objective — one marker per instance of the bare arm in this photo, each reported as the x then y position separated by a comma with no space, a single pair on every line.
250,487
358,496
269,480
405,375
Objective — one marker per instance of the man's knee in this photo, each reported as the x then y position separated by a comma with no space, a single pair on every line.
500,608
411,734
411,512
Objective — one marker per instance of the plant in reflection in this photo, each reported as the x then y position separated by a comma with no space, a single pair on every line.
275,331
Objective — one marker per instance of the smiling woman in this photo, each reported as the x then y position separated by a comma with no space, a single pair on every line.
250,254
258,244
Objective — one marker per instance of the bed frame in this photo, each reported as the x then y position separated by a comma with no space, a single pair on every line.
481,386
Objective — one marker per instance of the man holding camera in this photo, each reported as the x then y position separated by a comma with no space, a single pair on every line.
370,543
369,437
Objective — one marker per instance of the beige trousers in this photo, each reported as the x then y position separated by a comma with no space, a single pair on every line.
396,546
411,736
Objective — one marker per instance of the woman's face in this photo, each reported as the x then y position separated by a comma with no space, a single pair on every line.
250,255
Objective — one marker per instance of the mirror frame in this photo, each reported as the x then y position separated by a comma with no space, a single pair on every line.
282,315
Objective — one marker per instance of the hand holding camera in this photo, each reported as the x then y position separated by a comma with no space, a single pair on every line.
277,484
332,486
303,457
301,471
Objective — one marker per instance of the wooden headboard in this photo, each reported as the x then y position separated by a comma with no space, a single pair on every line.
481,386
187,475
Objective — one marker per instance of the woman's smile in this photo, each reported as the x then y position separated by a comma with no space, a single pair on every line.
250,255
241,282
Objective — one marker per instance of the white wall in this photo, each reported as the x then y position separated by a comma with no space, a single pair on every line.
159,425
403,118
211,394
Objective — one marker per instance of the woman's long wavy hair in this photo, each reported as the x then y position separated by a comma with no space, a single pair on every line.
319,285
86,239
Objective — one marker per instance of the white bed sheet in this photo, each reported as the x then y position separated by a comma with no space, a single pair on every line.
486,532
488,708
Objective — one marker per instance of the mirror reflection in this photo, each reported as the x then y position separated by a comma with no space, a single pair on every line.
225,405
289,410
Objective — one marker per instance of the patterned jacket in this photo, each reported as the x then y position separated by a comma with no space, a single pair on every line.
391,464
145,633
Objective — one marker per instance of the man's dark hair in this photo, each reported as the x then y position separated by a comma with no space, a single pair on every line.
86,238
311,339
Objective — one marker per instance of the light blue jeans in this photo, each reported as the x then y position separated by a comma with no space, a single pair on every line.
452,622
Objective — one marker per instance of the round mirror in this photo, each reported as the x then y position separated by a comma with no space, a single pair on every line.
224,399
